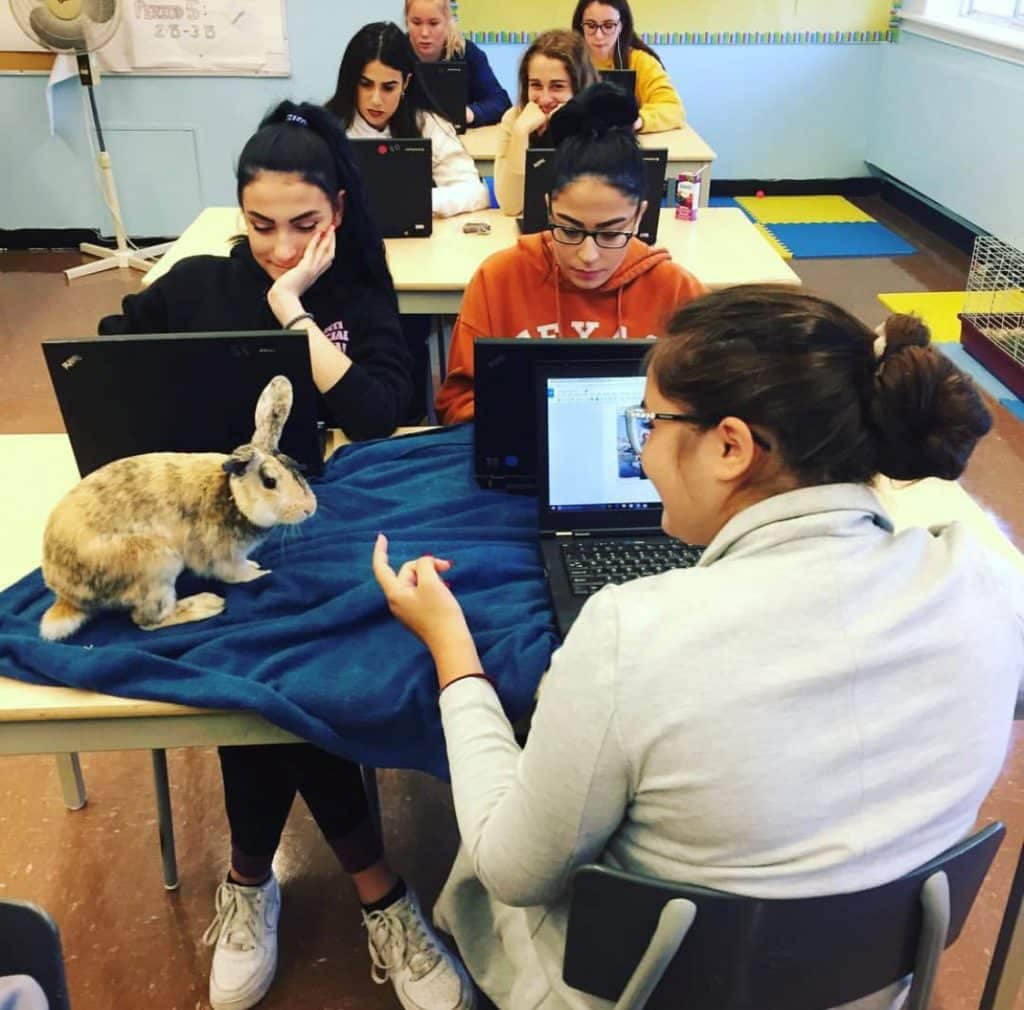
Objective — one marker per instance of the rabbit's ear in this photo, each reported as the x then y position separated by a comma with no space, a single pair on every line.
239,461
272,410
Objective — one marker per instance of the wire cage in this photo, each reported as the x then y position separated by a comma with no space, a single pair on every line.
992,321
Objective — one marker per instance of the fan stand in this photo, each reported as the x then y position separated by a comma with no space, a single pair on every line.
122,255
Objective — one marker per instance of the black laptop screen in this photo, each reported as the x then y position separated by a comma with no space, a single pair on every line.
590,465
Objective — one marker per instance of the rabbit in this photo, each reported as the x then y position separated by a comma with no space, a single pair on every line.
119,539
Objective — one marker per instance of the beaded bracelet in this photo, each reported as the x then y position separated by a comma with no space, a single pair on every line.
299,318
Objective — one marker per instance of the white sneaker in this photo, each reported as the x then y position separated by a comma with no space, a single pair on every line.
244,936
405,948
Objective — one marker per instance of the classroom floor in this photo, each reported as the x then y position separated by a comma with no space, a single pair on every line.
128,942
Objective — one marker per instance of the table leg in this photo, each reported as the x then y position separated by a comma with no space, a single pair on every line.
165,821
72,785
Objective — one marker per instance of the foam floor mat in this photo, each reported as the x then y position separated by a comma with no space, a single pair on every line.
847,239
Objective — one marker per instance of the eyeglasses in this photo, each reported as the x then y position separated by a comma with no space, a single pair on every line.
640,423
604,27
604,239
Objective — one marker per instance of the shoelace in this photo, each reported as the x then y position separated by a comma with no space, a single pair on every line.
237,918
396,938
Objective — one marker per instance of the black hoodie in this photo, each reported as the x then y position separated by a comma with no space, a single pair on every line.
218,293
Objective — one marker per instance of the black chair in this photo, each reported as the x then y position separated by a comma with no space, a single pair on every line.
30,945
626,932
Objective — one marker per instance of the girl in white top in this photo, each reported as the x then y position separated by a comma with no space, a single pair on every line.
377,96
553,69
818,707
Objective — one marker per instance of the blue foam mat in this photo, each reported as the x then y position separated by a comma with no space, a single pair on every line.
840,240
1015,407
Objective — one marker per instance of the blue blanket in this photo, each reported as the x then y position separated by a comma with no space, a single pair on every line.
312,646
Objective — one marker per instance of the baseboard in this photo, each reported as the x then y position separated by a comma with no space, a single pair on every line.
21,239
856,186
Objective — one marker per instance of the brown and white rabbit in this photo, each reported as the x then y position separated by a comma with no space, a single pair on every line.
119,539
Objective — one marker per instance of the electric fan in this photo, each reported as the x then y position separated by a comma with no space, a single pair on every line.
80,27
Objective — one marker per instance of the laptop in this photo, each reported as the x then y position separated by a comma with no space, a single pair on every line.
539,165
599,517
505,420
398,176
180,392
446,84
625,79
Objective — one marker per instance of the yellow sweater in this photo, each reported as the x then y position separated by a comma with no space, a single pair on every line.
660,105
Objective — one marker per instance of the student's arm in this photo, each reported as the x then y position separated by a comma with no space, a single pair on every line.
487,98
515,130
660,106
529,818
457,184
454,401
149,311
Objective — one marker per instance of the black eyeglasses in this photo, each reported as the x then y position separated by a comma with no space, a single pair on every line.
640,422
603,238
605,27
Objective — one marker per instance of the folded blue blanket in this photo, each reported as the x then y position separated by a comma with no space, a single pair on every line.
312,647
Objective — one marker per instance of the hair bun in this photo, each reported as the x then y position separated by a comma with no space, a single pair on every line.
594,112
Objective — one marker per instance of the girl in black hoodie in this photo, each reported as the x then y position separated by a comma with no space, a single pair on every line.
311,259
303,203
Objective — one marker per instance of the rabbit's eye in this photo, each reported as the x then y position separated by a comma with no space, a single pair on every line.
268,482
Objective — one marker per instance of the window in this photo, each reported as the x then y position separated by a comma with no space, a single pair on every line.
1005,12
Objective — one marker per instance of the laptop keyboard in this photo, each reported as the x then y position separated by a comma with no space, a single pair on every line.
591,564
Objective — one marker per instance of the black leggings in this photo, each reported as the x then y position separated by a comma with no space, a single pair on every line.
260,783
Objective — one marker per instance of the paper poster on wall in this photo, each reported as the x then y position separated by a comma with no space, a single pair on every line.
200,37
699,20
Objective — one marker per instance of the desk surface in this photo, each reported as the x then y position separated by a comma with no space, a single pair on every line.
722,247
684,144
58,719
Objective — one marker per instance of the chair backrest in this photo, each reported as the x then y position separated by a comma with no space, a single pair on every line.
30,945
745,953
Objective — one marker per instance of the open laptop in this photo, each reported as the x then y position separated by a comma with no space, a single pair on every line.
505,421
398,176
446,84
180,392
599,517
539,166
624,78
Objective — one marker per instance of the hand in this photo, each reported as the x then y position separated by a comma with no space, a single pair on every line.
638,125
532,119
469,116
316,259
419,599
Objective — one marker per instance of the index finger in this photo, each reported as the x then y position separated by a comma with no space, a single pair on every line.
382,569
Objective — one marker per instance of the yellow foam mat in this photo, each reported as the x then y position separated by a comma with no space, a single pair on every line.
782,250
939,308
802,209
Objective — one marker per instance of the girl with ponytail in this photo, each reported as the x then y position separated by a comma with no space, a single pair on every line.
311,259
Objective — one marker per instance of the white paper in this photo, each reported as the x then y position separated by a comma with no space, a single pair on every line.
64,66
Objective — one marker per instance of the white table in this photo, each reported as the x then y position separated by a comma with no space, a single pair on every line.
722,248
687,152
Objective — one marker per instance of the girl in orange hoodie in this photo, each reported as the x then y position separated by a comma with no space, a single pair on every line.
587,276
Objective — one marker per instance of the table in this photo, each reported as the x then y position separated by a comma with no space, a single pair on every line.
722,248
687,152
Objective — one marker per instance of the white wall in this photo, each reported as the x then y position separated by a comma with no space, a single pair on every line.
950,124
769,111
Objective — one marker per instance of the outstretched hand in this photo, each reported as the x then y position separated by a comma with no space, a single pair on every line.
419,598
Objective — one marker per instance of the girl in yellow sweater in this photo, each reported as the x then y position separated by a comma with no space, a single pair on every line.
607,28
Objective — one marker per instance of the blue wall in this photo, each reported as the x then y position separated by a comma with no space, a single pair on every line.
770,112
950,124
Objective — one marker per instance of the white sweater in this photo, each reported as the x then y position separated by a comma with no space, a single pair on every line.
457,186
820,706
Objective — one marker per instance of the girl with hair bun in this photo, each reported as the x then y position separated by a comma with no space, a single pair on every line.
311,259
819,706
555,67
587,276
607,28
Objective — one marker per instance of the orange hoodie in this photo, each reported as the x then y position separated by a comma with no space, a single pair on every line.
520,292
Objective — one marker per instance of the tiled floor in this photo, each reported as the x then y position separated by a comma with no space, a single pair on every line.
129,943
